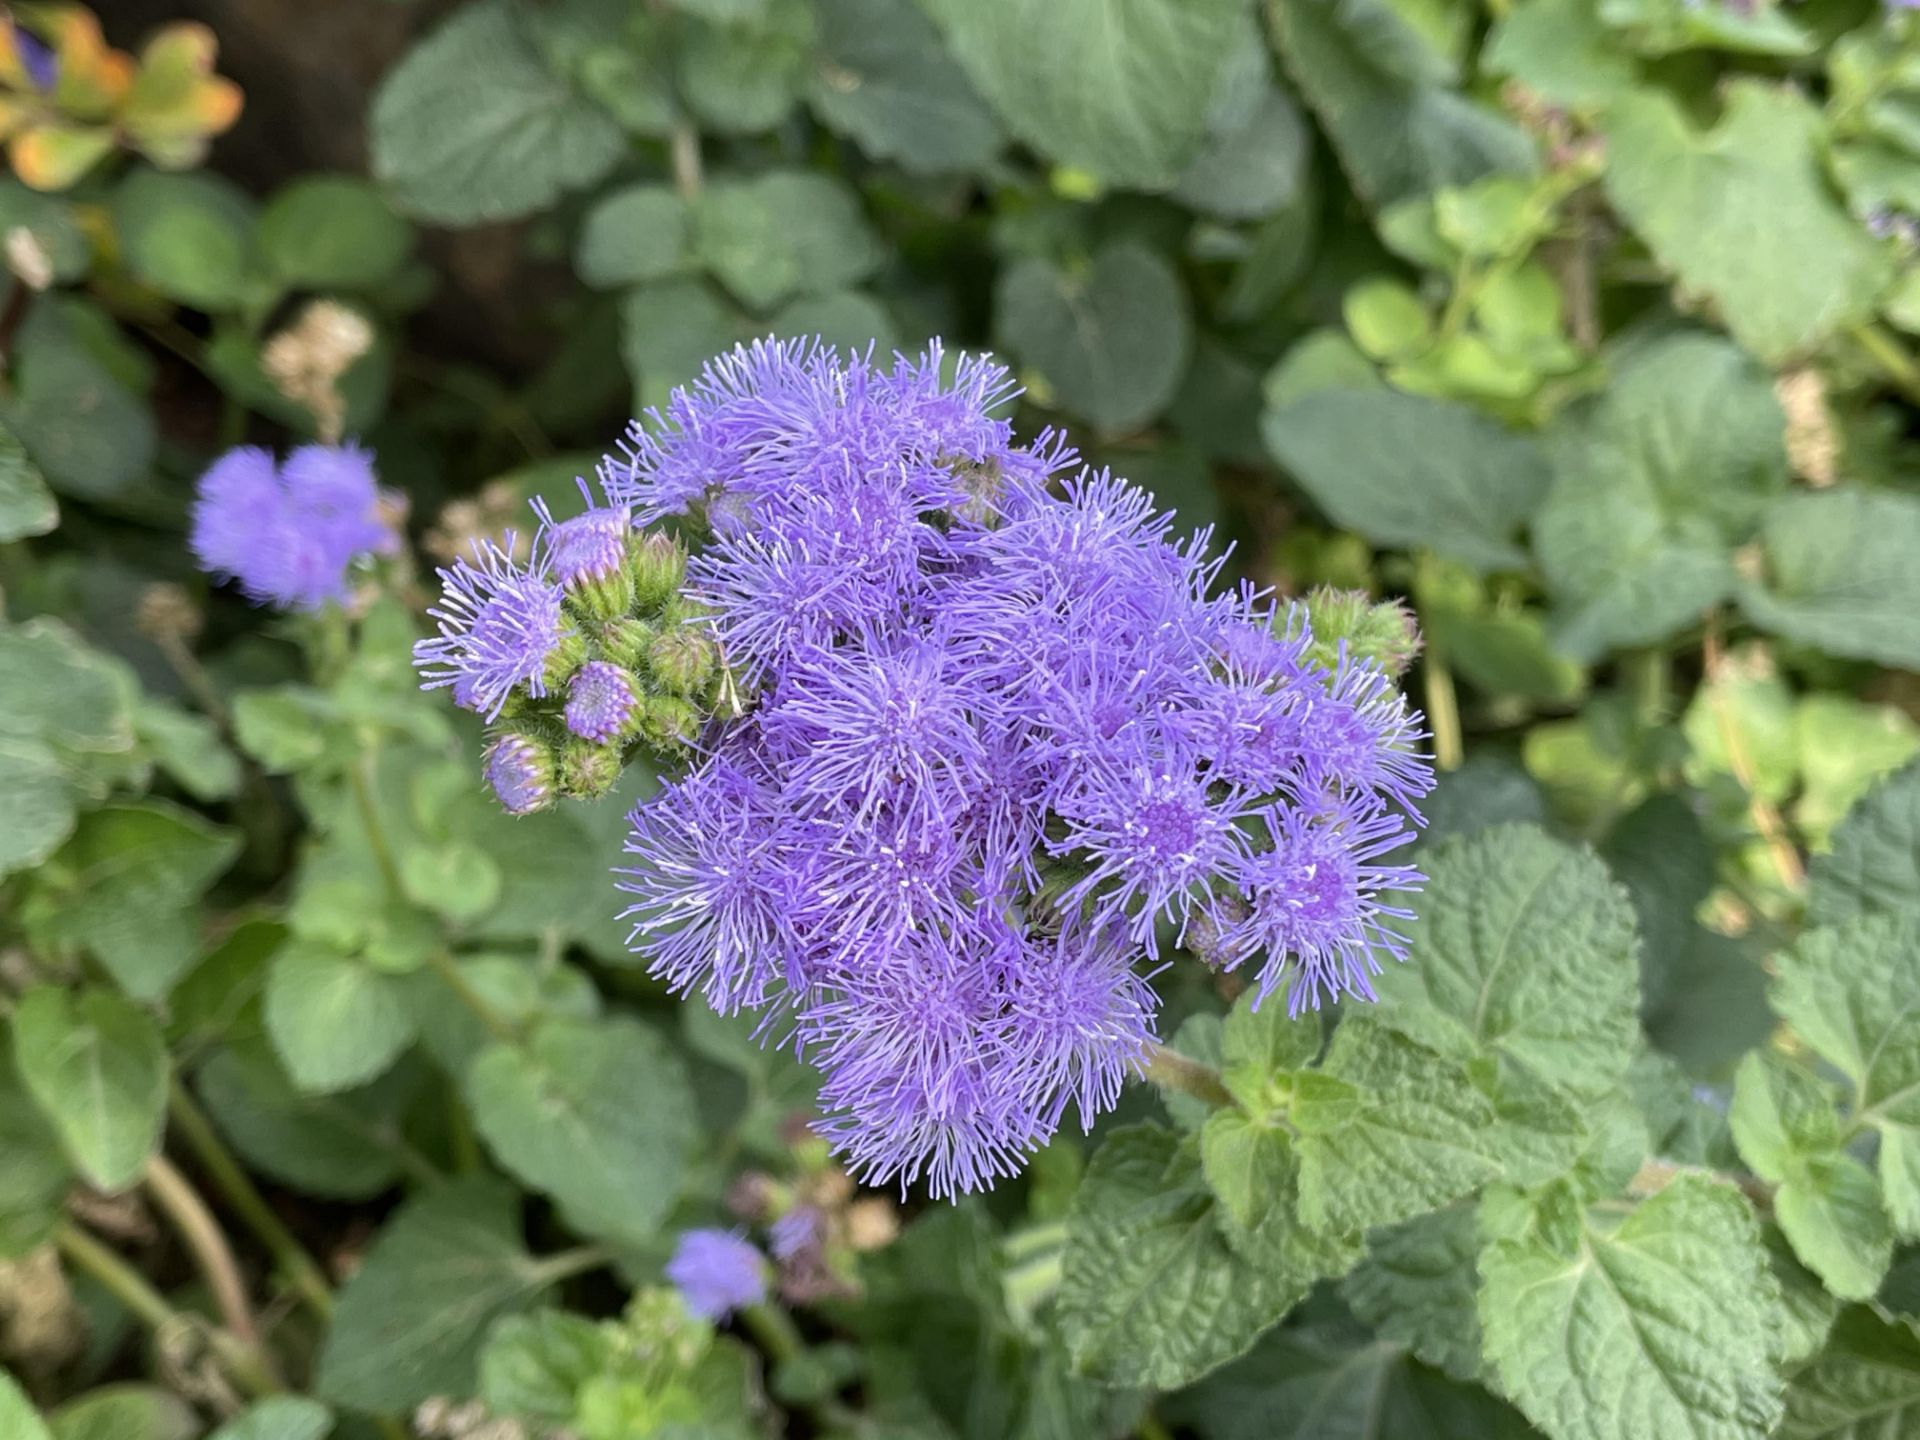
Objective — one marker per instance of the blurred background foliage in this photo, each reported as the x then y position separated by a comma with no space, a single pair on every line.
1585,325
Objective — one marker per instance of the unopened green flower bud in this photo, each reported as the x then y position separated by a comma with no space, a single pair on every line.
684,659
626,641
588,770
659,568
589,557
565,658
1381,631
669,723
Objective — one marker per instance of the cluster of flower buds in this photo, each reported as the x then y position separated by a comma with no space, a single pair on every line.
579,655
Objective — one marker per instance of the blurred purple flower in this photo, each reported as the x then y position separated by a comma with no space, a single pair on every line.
717,1272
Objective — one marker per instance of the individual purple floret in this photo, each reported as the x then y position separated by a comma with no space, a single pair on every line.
717,1273
993,740
500,624
289,534
600,702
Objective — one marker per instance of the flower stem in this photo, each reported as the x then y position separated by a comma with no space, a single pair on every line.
775,1331
190,1216
1892,358
306,1277
242,1361
1443,709
1171,1070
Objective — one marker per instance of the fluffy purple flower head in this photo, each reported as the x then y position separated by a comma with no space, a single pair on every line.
717,1272
996,734
600,702
589,546
288,534
500,622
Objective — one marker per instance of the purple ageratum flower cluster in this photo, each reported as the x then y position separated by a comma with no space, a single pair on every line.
1001,742
288,534
717,1272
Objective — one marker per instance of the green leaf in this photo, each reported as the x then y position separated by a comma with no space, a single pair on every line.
635,233
1559,50
412,1320
1151,1291
346,1146
1259,1045
334,1019
1332,1383
1661,1326
535,1365
560,1113
1874,866
1827,1203
279,1417
1781,1114
1524,949
1852,992
1407,471
188,748
36,1178
80,421
1246,1162
126,1412
780,234
333,232
1415,1139
1701,200
1110,344
1258,156
1417,1287
129,880
847,319
97,1066
18,1419
36,803
1387,101
1656,483
26,504
1832,1213
456,881
672,328
457,152
1865,1385
882,78
739,79
1900,1177
190,237
1834,574
519,989
52,222
1120,88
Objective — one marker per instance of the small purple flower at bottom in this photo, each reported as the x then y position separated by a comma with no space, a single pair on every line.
521,774
717,1272
600,702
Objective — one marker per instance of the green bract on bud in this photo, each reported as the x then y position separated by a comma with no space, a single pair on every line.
627,641
567,656
684,659
1381,631
603,598
668,722
588,770
659,568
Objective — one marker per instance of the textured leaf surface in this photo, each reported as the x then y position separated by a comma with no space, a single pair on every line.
1853,993
1661,1327
97,1066
472,125
1656,483
1152,1294
1864,1386
1417,1286
1704,200
784,233
597,1114
1836,574
1408,471
411,1321
335,1020
1118,87
1874,866
1524,949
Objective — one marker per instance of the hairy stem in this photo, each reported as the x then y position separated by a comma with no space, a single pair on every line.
233,1182
1171,1070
